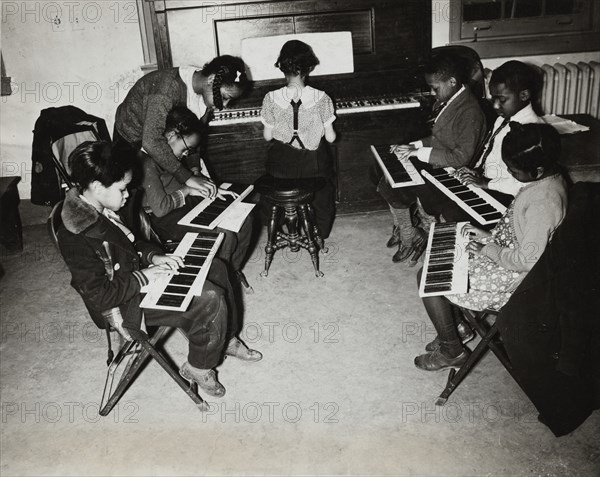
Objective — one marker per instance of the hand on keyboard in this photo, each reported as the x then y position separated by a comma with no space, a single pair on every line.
221,193
471,176
469,229
403,151
173,262
203,186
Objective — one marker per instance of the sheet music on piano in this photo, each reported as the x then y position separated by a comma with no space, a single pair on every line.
175,292
210,212
399,172
446,264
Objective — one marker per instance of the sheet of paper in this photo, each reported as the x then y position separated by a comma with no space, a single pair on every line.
334,50
562,125
235,216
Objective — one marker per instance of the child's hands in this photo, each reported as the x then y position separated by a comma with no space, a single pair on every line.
163,265
154,272
171,261
474,247
203,187
221,193
471,176
404,151
469,229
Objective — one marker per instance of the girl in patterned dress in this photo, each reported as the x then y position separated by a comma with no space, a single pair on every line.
298,121
500,259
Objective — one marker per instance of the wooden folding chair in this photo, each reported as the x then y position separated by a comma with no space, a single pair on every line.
483,323
137,351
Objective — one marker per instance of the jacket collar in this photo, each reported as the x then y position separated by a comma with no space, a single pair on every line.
455,102
80,217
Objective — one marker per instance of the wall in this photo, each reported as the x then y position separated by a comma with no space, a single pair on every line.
88,53
85,53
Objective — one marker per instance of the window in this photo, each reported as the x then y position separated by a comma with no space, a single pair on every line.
525,27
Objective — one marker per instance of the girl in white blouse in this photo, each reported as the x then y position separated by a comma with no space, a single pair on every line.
298,120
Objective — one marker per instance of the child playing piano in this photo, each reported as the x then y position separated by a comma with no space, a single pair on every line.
511,86
168,200
296,119
458,129
109,266
501,258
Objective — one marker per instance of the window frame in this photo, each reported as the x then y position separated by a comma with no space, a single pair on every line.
520,43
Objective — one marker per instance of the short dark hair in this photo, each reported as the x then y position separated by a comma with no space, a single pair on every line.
296,58
529,146
516,75
94,161
446,66
183,121
229,71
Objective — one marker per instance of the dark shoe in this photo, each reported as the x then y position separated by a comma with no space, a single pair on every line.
437,361
402,253
205,378
419,246
238,349
465,333
394,239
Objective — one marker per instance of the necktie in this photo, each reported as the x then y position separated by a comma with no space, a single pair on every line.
480,164
295,137
435,112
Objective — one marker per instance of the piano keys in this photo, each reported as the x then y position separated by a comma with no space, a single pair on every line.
210,212
343,106
475,201
399,172
446,265
175,292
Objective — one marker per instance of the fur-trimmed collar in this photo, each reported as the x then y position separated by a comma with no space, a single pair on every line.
77,214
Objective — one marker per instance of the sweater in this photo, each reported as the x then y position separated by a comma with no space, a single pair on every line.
142,116
538,209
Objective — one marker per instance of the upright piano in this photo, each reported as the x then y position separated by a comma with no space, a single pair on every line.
382,102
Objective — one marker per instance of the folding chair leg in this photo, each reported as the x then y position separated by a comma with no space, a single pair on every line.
456,377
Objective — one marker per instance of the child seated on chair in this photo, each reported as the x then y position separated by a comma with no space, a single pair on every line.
458,127
168,200
109,266
512,87
298,121
500,259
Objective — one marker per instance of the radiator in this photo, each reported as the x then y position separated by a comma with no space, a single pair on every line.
571,88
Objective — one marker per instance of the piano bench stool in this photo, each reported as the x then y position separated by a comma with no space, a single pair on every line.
289,203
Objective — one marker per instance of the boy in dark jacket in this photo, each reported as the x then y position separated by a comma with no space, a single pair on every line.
106,263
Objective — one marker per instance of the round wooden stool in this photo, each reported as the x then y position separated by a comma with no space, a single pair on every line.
290,199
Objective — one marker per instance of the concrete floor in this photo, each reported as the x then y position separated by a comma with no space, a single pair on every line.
336,393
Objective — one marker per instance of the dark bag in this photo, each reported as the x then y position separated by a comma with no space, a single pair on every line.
60,127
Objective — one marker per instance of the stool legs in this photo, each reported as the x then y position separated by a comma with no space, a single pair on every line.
271,239
309,230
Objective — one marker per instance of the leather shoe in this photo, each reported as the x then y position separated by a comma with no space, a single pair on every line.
438,361
205,378
416,248
238,349
465,333
394,239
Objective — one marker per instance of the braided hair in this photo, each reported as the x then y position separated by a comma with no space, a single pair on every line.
296,59
229,71
529,146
